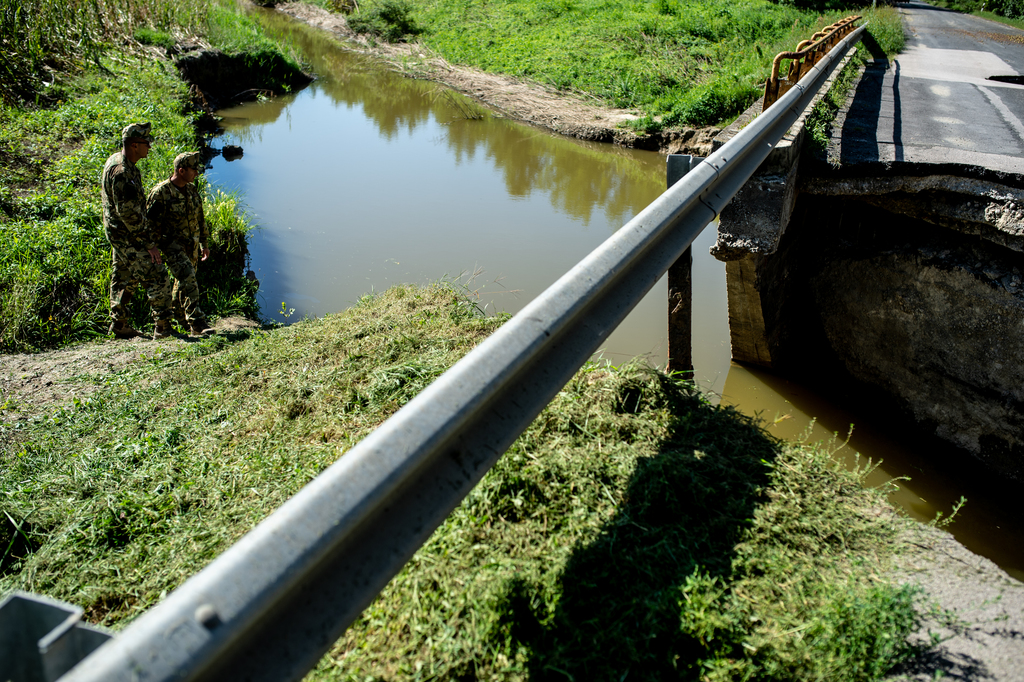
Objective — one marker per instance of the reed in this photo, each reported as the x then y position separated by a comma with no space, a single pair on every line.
42,38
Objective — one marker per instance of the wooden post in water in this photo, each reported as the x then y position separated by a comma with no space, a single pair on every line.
680,285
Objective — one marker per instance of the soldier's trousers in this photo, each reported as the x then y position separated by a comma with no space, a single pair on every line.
185,294
134,267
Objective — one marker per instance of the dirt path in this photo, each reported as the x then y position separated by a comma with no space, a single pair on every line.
33,383
531,103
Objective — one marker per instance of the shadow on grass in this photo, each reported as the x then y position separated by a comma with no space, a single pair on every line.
668,548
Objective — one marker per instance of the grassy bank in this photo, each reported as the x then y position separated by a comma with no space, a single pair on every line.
633,527
884,40
680,62
1009,12
84,73
54,257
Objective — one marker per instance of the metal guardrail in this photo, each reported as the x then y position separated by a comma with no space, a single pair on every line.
271,605
804,58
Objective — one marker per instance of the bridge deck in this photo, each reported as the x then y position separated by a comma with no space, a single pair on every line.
936,104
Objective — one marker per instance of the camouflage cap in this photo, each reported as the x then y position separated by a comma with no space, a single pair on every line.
193,160
137,131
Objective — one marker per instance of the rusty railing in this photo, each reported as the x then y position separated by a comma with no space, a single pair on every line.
804,58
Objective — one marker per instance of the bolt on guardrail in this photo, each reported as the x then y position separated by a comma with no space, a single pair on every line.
804,58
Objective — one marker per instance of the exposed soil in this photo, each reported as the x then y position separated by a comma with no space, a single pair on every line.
525,101
32,384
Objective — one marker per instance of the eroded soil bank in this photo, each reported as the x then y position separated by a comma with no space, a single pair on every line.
521,100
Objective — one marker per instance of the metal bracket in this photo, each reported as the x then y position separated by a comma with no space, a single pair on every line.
42,638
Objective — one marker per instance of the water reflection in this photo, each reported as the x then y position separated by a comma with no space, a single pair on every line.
366,179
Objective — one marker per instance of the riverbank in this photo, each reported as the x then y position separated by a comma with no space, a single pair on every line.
140,468
519,99
582,114
157,431
54,257
181,428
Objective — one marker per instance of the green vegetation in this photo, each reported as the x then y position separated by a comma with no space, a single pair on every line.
679,62
232,29
390,21
54,258
1009,9
636,530
81,77
633,526
40,40
1009,12
884,40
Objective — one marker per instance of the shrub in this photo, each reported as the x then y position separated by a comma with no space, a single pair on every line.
390,21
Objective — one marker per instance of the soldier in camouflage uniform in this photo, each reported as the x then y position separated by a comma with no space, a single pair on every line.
135,256
176,209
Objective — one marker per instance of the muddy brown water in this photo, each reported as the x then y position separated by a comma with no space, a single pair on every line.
366,179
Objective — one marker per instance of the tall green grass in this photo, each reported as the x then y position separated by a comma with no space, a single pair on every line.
67,93
680,62
40,39
633,531
54,258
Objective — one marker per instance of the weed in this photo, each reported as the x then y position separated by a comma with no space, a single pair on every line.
883,39
390,20
149,36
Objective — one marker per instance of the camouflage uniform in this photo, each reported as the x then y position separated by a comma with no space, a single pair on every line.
178,213
130,237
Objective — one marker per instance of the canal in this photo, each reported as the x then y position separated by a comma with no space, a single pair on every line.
367,179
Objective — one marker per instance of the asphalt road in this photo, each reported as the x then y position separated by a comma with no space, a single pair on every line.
937,102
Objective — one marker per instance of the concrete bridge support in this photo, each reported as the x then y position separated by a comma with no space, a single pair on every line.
910,282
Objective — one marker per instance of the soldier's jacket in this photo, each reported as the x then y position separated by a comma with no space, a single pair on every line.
124,205
177,212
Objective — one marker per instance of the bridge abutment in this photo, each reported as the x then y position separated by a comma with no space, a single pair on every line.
909,282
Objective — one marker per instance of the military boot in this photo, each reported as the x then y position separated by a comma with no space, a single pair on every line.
162,329
179,317
200,327
122,330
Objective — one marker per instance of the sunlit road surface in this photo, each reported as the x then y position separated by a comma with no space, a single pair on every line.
949,98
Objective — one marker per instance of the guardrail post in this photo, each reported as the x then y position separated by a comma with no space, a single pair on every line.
42,638
680,284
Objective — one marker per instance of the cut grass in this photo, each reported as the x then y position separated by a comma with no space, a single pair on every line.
633,529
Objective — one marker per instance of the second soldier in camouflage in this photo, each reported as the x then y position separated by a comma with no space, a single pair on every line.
175,208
